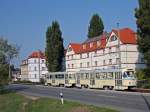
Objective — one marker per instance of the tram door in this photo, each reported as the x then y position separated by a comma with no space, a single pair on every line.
78,78
92,79
118,80
53,79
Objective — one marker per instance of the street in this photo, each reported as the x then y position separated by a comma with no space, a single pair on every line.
119,100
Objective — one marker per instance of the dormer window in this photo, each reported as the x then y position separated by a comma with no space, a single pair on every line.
84,46
91,44
69,49
113,38
98,43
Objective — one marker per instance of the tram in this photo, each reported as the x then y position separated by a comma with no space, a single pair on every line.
118,79
60,79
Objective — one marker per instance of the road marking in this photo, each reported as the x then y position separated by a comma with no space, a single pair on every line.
107,96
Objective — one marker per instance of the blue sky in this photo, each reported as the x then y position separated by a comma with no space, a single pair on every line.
24,22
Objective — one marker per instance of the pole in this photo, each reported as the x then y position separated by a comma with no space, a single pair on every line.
119,50
61,96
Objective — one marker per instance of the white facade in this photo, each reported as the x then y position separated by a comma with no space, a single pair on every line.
36,69
105,54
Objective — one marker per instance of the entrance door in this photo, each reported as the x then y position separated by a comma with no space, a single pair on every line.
118,80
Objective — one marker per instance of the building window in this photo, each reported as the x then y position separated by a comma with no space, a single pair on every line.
35,61
113,38
35,75
72,65
110,61
103,51
117,60
109,49
95,53
95,63
117,48
98,43
80,65
88,64
104,62
43,68
91,44
43,61
68,57
68,66
71,56
80,56
69,49
87,55
84,46
35,69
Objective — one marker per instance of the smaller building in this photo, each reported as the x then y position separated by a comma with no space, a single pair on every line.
34,67
15,74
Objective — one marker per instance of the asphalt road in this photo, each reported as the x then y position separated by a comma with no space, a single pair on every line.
119,100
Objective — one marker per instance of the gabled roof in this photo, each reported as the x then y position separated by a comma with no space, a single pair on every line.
127,36
37,54
76,47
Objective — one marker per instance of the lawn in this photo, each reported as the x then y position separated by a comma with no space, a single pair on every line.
13,102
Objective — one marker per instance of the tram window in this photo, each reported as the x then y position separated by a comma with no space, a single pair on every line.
86,75
103,76
82,75
66,75
128,74
98,75
110,75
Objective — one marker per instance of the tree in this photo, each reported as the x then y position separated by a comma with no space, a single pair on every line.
54,47
143,30
96,26
7,53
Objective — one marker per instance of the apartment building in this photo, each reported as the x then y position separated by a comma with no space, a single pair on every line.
109,50
34,67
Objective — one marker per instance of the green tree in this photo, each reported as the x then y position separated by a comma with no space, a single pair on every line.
142,13
7,53
96,26
54,47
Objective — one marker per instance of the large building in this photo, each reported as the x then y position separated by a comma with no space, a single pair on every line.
34,67
110,50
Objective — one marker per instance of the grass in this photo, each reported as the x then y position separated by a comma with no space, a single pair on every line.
13,102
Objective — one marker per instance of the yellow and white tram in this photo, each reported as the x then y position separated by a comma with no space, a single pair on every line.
60,79
118,79
55,78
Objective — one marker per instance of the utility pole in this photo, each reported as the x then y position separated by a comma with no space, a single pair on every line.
119,49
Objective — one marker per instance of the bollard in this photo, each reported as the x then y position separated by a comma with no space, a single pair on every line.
61,96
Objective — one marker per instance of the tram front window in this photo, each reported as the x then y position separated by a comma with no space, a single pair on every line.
128,74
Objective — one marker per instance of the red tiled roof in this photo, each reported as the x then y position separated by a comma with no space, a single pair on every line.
127,36
37,54
76,47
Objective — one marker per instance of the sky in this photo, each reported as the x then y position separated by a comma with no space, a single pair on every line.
24,22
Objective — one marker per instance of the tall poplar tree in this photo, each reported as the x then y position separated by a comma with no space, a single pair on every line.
96,26
142,13
54,47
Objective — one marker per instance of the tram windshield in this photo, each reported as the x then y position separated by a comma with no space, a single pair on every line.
128,74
